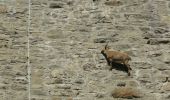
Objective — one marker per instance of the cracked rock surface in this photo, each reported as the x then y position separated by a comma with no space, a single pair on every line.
66,38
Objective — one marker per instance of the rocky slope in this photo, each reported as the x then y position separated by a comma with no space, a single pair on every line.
66,37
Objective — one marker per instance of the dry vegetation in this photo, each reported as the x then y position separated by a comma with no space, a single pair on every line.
126,92
3,8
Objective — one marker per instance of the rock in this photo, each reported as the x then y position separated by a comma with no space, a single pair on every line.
105,39
166,86
133,83
79,81
156,41
70,2
144,76
3,86
101,57
113,3
21,80
148,35
138,16
57,73
63,86
100,95
55,81
3,9
155,54
55,34
161,31
161,78
101,40
144,29
121,84
166,58
168,97
19,87
39,92
95,0
89,67
56,5
65,42
55,98
162,67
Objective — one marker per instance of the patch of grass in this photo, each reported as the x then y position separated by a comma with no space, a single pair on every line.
126,92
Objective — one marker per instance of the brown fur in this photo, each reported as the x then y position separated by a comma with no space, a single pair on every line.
117,57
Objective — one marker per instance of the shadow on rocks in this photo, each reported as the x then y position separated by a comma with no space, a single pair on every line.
119,67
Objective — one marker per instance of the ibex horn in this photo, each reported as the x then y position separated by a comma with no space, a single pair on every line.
106,45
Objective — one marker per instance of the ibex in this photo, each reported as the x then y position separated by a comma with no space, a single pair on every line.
116,57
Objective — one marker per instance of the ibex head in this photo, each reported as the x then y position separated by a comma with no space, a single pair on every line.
106,48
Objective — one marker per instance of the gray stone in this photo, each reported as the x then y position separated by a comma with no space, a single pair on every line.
155,41
121,84
55,34
65,41
100,95
101,40
113,2
161,31
63,86
38,92
168,96
3,9
56,5
55,81
133,83
89,67
19,87
105,39
166,86
79,81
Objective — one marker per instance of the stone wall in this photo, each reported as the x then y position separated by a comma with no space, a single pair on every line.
65,40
